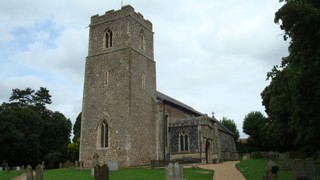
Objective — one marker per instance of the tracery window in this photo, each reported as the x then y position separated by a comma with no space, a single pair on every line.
184,141
104,134
108,38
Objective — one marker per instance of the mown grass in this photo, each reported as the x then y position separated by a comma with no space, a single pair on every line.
126,174
253,169
4,175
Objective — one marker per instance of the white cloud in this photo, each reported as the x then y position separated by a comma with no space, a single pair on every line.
211,55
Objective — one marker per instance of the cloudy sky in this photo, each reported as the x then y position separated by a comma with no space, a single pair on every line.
212,55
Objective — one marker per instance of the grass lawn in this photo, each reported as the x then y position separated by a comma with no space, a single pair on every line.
253,169
4,175
130,174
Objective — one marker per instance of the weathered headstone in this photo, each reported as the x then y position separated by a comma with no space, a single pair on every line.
60,165
309,168
76,164
285,165
29,173
39,172
92,172
270,164
248,155
174,172
101,172
0,168
298,168
81,165
18,168
113,165
68,164
244,157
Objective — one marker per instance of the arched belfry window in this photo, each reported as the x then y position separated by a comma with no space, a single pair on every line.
184,141
103,134
142,41
108,38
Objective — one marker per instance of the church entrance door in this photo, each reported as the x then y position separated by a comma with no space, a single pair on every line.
208,152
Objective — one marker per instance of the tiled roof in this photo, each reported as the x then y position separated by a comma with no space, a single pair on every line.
181,105
175,102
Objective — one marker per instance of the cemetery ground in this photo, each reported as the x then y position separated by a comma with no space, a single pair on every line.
129,173
254,169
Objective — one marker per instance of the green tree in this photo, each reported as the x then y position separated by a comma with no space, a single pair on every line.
31,133
292,98
254,125
231,125
77,128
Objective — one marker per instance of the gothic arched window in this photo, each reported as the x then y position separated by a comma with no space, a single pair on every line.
184,141
108,38
104,134
142,41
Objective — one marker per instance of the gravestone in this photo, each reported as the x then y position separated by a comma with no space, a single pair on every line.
67,164
101,172
309,168
113,165
298,168
39,172
248,155
0,168
285,165
81,165
174,172
29,173
244,157
18,168
92,172
76,164
22,167
304,169
60,165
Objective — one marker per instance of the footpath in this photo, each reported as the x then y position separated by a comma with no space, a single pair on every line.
224,171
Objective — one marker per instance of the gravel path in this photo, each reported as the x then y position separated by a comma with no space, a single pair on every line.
224,171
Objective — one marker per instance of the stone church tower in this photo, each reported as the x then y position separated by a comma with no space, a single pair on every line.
119,98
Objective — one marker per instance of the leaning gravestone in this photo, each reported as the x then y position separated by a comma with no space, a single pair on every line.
29,173
101,172
39,172
113,165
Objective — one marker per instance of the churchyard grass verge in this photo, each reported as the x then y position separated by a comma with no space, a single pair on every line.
4,175
253,169
126,174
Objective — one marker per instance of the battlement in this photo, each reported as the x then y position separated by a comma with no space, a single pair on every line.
125,11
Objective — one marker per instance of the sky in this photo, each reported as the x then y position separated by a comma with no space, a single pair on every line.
212,55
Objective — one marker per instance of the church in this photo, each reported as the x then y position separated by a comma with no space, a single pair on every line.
124,117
